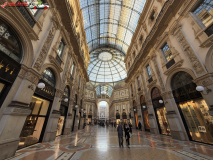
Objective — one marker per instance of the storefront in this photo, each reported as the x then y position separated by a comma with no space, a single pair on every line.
40,105
63,111
124,116
135,114
144,113
11,55
90,118
193,108
160,112
117,118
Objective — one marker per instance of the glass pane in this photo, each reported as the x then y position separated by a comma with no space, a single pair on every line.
205,12
167,52
44,107
61,48
49,77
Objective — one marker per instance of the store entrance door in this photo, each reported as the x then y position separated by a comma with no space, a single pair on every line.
62,120
35,124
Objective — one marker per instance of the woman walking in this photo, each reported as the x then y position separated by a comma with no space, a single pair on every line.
127,136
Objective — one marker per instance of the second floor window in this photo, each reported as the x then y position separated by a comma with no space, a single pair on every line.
167,52
61,48
205,12
138,80
148,71
72,69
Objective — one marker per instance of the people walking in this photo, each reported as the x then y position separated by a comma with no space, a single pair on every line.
120,134
140,126
127,136
130,127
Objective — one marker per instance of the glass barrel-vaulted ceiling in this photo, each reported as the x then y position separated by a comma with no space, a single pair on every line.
104,89
110,23
106,65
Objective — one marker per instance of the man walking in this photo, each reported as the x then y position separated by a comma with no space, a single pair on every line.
120,134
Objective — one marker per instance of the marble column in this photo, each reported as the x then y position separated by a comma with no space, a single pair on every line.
15,109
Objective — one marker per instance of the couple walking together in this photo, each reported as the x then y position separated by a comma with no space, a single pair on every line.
127,135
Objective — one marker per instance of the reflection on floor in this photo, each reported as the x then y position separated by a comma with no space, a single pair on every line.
102,144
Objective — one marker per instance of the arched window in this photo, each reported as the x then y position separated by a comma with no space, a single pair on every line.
124,116
180,79
117,116
134,104
66,92
48,76
155,93
9,42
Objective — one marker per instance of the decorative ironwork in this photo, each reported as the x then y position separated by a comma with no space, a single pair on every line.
26,14
209,31
150,80
58,59
170,63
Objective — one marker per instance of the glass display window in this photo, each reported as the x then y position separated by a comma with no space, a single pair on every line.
146,120
163,122
198,120
34,123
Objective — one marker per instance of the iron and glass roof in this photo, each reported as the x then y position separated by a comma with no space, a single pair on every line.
106,66
110,23
104,89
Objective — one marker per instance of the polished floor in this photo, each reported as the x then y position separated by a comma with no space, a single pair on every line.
98,143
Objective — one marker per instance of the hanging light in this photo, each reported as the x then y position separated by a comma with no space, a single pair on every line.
66,100
161,101
41,85
76,106
200,88
144,106
134,109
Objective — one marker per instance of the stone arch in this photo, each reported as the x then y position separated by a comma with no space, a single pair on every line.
209,60
56,72
150,90
27,47
169,78
70,88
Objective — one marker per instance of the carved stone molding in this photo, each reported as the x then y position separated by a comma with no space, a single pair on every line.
150,21
55,63
17,108
195,62
23,71
159,75
59,93
42,55
33,76
167,95
204,80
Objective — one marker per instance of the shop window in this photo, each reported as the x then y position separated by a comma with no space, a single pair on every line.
205,12
148,71
9,42
48,76
61,48
167,52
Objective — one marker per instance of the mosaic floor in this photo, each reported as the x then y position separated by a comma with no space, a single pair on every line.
98,143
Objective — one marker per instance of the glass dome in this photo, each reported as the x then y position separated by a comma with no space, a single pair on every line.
106,65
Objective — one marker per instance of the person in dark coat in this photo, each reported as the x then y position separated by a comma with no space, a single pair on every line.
130,127
120,135
139,125
127,136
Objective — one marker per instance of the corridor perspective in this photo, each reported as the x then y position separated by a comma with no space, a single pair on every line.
101,143
70,70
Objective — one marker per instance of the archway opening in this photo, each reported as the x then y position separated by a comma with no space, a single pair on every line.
103,111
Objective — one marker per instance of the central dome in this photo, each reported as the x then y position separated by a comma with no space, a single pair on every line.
105,56
106,66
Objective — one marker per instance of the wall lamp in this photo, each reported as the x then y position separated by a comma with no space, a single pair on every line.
201,89
40,86
161,102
